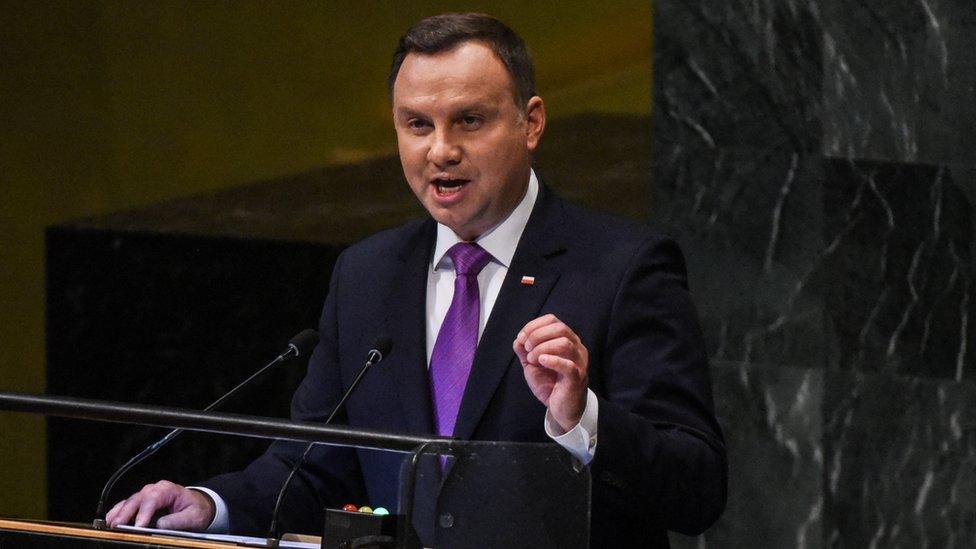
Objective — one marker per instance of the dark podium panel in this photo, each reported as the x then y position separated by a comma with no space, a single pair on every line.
499,494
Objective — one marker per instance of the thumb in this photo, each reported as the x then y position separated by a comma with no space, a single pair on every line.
171,521
186,519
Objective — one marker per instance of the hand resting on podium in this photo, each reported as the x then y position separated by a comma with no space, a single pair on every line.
190,510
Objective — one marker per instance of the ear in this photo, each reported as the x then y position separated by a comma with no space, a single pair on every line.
535,121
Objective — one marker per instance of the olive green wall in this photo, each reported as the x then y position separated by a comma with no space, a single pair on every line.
110,105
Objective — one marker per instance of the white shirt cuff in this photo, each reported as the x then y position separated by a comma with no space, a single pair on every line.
221,520
580,441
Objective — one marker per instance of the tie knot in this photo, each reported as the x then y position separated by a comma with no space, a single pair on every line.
468,258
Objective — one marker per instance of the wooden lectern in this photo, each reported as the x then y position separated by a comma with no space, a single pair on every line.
17,534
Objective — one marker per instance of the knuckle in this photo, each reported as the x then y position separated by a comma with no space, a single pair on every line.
567,344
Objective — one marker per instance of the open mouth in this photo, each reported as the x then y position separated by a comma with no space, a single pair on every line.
449,185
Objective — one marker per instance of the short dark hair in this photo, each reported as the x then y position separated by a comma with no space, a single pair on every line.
443,32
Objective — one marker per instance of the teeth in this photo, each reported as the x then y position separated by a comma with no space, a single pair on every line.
449,186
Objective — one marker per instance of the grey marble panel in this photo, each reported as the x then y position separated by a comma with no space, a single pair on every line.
899,79
736,73
750,224
900,458
772,422
862,261
900,281
737,175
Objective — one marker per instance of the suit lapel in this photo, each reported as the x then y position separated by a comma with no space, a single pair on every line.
517,304
406,310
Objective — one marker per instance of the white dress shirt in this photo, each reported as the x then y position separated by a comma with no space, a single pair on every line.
500,242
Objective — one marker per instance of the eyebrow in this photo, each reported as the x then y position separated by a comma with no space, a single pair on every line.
406,111
459,111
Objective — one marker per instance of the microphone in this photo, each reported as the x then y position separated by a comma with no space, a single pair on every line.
300,345
381,347
379,350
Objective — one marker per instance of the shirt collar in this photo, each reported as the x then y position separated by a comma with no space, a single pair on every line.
500,241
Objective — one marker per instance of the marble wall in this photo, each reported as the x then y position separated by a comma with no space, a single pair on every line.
815,159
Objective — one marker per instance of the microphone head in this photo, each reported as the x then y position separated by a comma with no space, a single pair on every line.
382,344
304,342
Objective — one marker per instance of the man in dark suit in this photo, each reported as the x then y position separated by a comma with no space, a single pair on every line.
515,316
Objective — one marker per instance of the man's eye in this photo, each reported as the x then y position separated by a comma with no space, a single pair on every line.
416,124
471,121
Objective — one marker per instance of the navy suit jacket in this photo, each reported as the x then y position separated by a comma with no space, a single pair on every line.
660,460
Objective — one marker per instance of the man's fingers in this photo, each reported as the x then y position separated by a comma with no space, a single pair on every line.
128,510
533,325
555,363
115,509
547,332
147,510
190,518
140,508
540,380
520,344
561,346
562,366
520,351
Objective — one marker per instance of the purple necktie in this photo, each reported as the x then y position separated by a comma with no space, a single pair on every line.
453,354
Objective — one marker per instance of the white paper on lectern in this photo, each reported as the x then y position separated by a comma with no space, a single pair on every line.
243,540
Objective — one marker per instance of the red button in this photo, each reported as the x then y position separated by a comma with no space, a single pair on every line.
350,507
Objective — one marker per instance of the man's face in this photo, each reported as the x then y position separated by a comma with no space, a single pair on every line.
464,144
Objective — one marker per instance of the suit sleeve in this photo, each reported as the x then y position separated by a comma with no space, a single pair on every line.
660,457
330,477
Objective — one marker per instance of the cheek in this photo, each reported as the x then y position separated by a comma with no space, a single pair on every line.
412,171
412,151
497,159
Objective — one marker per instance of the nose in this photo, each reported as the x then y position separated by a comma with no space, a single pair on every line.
444,149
